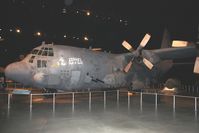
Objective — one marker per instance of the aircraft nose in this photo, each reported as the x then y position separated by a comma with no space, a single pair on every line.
18,71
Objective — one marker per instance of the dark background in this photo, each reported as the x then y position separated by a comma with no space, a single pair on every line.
110,22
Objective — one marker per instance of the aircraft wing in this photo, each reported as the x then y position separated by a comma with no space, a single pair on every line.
170,53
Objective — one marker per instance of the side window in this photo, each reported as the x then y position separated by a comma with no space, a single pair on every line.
38,63
44,63
31,59
41,63
50,52
40,51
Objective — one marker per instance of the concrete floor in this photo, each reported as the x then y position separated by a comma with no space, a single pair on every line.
113,118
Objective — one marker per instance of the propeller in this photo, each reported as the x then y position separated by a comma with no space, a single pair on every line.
127,46
196,66
137,53
96,49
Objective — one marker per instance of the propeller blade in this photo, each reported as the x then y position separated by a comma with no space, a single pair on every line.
147,63
127,46
128,66
96,49
196,66
145,40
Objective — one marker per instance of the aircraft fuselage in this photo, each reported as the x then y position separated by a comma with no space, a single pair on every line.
66,68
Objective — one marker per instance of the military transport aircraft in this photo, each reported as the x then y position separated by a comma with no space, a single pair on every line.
60,67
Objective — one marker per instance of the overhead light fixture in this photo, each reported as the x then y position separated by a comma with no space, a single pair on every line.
18,30
1,38
38,33
88,13
86,38
64,11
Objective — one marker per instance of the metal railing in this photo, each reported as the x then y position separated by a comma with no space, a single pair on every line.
104,96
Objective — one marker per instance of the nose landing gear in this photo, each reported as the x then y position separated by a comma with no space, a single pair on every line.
49,90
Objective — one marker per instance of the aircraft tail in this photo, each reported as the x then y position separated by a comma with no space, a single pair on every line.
166,39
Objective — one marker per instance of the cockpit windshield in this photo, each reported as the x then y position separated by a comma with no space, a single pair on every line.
44,51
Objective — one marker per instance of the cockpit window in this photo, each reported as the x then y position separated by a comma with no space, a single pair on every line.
35,51
31,59
44,53
45,48
40,51
50,52
39,63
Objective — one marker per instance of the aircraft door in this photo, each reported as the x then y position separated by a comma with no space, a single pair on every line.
75,77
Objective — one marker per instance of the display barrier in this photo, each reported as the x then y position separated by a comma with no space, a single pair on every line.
105,99
104,93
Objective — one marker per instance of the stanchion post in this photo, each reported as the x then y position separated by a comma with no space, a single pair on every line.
141,101
196,108
90,98
73,102
118,98
156,101
30,101
9,101
129,100
104,100
54,98
174,102
30,106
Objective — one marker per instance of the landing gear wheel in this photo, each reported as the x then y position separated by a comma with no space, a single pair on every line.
49,90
